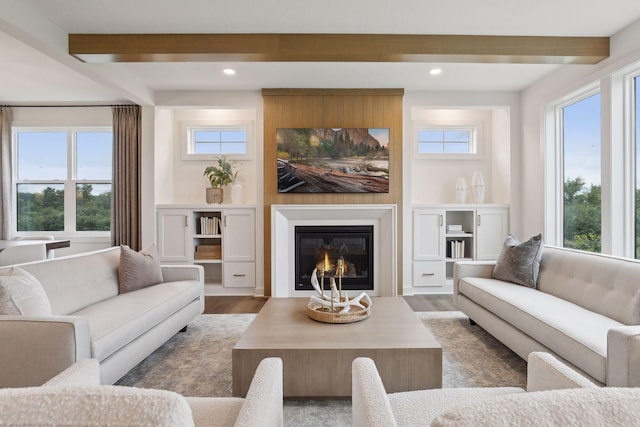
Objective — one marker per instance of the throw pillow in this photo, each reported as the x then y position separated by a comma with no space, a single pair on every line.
21,293
519,262
138,269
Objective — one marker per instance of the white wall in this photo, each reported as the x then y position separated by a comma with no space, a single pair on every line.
180,181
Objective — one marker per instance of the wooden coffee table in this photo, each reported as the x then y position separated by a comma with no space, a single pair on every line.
317,356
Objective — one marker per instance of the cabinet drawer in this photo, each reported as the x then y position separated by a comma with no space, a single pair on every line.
239,275
428,273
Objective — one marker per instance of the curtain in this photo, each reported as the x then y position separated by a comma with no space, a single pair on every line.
5,174
127,177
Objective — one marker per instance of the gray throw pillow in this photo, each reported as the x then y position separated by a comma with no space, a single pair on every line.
21,293
139,269
519,262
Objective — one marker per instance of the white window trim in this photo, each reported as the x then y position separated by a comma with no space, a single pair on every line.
185,131
69,182
554,161
626,80
476,143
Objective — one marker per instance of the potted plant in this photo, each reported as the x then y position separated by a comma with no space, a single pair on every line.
219,176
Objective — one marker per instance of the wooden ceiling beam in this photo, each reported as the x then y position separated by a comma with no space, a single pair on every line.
96,48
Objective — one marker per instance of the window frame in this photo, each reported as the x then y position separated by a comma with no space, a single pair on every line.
69,184
188,145
554,163
475,141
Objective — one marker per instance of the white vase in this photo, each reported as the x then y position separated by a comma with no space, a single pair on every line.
461,190
478,187
237,193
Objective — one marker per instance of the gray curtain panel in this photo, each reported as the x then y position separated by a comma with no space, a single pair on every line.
127,177
5,174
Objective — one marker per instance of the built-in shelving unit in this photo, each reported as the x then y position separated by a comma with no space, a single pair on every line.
220,238
444,234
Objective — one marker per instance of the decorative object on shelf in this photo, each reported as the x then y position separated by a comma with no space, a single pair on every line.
461,190
478,187
237,193
336,307
219,176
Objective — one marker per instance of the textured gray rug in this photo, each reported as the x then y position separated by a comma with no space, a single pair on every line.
198,363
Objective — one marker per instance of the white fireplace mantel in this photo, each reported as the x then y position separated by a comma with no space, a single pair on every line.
284,219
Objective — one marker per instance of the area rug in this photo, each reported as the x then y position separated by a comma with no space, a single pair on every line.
198,363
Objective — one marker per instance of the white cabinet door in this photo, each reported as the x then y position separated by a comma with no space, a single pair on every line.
492,226
238,235
428,237
174,235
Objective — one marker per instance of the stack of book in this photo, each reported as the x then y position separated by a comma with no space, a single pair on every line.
208,252
209,225
457,248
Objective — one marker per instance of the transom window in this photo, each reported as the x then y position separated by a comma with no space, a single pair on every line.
206,141
63,179
447,140
218,140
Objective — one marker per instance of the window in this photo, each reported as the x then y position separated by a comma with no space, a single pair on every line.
218,140
63,179
581,154
446,140
210,141
636,133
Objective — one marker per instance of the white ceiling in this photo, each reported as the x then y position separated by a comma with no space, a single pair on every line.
37,70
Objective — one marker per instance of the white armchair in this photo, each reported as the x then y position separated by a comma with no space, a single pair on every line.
547,400
75,397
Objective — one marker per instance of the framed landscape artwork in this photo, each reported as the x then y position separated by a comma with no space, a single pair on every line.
331,160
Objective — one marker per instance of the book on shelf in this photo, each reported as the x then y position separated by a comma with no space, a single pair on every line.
457,248
209,225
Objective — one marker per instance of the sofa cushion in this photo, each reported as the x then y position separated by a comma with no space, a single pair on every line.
567,329
604,284
118,321
606,406
21,293
77,281
519,262
419,408
93,405
138,270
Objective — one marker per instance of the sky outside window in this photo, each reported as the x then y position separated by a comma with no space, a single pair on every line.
582,140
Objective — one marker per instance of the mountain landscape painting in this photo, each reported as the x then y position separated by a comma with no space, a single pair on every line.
330,160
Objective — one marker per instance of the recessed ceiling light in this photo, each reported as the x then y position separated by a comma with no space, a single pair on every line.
229,71
435,71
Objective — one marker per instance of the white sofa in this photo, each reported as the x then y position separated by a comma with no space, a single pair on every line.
90,319
585,310
75,397
555,396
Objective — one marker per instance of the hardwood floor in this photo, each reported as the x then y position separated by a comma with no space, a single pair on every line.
249,304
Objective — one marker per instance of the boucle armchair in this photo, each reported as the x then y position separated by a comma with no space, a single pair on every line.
75,397
555,395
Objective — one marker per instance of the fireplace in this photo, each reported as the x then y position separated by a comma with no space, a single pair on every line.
285,219
321,246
